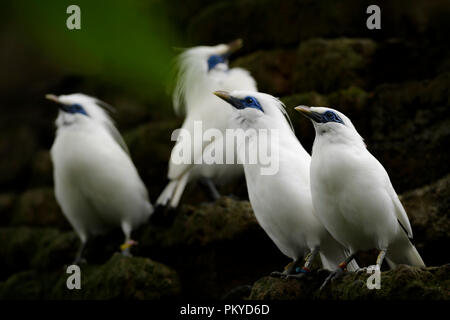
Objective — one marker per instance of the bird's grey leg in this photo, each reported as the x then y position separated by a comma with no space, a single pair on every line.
380,258
288,269
125,247
79,256
213,192
303,271
338,272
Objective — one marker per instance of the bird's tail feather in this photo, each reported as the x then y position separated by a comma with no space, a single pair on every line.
178,192
172,193
402,251
167,193
332,253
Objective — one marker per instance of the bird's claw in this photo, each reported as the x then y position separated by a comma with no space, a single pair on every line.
361,270
125,248
277,274
331,277
79,261
296,275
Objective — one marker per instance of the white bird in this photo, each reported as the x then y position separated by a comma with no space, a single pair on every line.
353,195
96,183
281,200
202,70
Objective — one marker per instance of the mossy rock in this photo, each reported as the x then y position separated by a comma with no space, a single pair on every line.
203,225
272,69
219,245
329,65
129,278
428,209
17,148
38,207
409,126
7,204
402,283
41,170
271,24
151,159
26,248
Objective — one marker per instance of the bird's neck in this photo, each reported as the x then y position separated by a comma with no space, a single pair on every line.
329,138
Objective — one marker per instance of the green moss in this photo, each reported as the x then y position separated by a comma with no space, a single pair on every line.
123,278
203,225
38,248
151,158
329,65
403,283
272,69
38,207
119,278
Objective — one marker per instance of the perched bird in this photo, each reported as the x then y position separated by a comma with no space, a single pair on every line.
353,195
96,184
202,70
281,199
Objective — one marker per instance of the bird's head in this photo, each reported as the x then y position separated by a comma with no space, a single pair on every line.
79,107
214,57
328,121
255,109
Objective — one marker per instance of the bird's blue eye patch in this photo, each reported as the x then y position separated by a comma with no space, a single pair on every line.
214,60
74,108
330,116
251,102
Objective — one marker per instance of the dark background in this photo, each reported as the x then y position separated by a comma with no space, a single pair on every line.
393,83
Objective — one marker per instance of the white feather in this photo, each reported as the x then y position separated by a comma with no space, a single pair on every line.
96,183
353,195
282,202
193,95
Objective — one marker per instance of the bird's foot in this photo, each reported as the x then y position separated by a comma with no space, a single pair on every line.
278,274
361,270
332,276
300,272
125,248
79,261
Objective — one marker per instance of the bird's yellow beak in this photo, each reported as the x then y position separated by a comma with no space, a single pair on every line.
52,97
233,101
223,95
235,45
306,111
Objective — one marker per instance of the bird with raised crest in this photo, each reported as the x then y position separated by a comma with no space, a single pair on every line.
202,70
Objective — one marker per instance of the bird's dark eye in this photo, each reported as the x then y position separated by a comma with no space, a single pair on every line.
329,115
249,100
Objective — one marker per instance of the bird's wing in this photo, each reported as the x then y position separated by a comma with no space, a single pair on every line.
400,212
117,136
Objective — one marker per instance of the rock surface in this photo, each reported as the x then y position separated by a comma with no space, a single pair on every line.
428,209
120,277
403,283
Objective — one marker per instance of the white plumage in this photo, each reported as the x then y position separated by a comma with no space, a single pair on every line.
352,193
201,71
282,201
96,183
